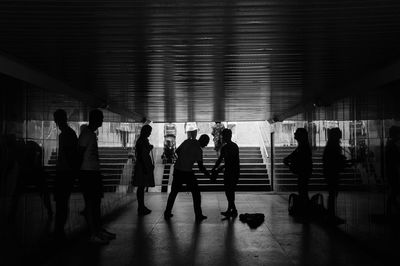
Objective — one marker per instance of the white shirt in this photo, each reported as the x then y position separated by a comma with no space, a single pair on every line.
88,141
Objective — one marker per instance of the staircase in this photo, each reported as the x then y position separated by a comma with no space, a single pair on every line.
253,172
287,181
112,161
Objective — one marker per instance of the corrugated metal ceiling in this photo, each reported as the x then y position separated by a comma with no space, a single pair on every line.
187,60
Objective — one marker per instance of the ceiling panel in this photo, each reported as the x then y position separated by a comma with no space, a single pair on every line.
186,60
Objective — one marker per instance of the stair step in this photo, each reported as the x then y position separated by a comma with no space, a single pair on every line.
243,187
247,148
244,171
242,165
206,160
242,156
240,181
315,171
311,182
252,175
317,187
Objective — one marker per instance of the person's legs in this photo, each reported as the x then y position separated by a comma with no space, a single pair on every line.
231,199
332,194
331,202
44,191
171,201
96,213
230,186
142,209
175,188
140,197
92,189
194,189
303,191
61,215
89,210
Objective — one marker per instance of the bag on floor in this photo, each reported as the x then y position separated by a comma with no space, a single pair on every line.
254,220
316,205
294,206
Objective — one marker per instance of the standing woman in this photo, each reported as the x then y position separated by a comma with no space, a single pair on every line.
333,162
144,168
300,163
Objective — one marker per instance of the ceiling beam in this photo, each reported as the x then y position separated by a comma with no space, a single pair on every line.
371,81
19,70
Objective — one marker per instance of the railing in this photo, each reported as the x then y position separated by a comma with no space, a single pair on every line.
263,142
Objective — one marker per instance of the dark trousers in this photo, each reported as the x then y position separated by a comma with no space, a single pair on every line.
333,183
230,182
140,197
188,178
62,192
92,189
302,186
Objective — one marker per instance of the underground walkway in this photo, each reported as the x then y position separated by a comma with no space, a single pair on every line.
280,240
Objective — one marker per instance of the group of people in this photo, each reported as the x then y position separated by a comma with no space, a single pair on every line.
79,157
188,153
300,163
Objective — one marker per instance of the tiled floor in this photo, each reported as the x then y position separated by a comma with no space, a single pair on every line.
280,240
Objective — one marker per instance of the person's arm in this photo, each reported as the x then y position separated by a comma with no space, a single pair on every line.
217,163
81,152
203,168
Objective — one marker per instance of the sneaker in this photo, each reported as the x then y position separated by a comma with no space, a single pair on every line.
230,213
167,215
234,213
98,240
107,234
200,218
144,211
226,213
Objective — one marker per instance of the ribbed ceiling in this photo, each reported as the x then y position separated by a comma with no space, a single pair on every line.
211,60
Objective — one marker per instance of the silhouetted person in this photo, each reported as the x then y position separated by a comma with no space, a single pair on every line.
91,179
333,163
124,136
300,163
230,155
30,172
144,168
66,170
217,137
189,152
392,158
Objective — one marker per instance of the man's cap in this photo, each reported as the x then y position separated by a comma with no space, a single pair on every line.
191,127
